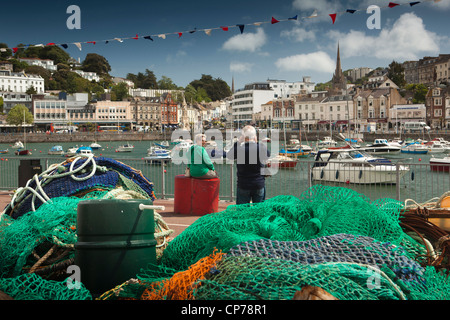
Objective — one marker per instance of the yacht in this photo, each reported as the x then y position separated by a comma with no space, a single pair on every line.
156,154
356,167
125,148
382,146
56,150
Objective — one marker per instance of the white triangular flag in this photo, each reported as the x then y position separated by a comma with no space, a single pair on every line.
257,23
208,32
78,45
118,39
163,36
313,15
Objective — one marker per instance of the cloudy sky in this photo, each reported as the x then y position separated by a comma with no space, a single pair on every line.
191,38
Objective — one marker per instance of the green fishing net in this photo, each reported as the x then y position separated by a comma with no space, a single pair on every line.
320,211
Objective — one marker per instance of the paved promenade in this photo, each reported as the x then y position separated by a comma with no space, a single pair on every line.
176,222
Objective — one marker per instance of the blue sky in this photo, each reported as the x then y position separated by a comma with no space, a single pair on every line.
287,50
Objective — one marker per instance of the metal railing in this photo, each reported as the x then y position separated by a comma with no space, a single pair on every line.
419,184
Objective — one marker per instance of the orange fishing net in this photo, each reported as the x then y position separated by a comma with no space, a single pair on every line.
182,284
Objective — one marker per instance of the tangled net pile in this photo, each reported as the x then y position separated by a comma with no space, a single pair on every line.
38,228
331,238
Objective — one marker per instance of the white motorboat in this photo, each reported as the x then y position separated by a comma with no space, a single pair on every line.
71,152
125,148
157,154
18,145
382,146
356,167
84,151
327,142
436,146
56,150
95,146
440,164
282,162
415,148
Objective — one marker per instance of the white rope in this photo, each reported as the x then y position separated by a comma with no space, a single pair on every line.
46,177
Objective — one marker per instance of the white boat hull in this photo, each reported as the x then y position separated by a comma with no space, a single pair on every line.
336,172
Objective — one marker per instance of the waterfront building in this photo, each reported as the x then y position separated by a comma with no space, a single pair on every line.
411,71
146,112
338,110
401,113
435,104
310,110
43,63
248,101
14,85
447,111
169,111
114,113
372,107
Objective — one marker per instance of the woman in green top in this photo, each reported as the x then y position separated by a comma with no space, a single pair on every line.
199,163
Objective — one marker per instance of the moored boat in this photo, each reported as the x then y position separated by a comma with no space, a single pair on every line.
22,152
440,164
382,146
18,145
356,167
282,162
56,150
125,148
95,146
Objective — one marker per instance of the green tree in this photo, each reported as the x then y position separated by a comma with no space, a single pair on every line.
145,80
166,83
119,92
96,63
419,92
16,115
396,73
1,105
216,89
6,54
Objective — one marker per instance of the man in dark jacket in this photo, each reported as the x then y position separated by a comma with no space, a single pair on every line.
251,158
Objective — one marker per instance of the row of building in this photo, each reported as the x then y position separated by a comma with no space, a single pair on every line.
272,103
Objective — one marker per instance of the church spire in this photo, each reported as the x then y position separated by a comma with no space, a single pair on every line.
339,81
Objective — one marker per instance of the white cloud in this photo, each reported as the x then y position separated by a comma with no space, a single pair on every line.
299,34
323,7
246,42
240,67
408,39
316,61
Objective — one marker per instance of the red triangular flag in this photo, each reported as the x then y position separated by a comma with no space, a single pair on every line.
93,42
274,20
50,44
391,4
15,50
333,17
180,34
224,28
136,37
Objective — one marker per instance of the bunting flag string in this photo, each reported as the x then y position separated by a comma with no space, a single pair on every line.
208,31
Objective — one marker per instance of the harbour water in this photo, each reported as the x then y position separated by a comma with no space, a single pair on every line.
419,185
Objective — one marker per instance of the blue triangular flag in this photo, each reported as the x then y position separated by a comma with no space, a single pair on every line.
148,38
65,46
293,18
414,3
351,10
241,27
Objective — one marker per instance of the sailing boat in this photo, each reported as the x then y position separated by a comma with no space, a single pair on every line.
20,151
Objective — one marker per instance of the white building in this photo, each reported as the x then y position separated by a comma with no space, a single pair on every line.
129,83
248,101
400,113
88,75
44,63
20,82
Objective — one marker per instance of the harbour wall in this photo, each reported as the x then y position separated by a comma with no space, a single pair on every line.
156,136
